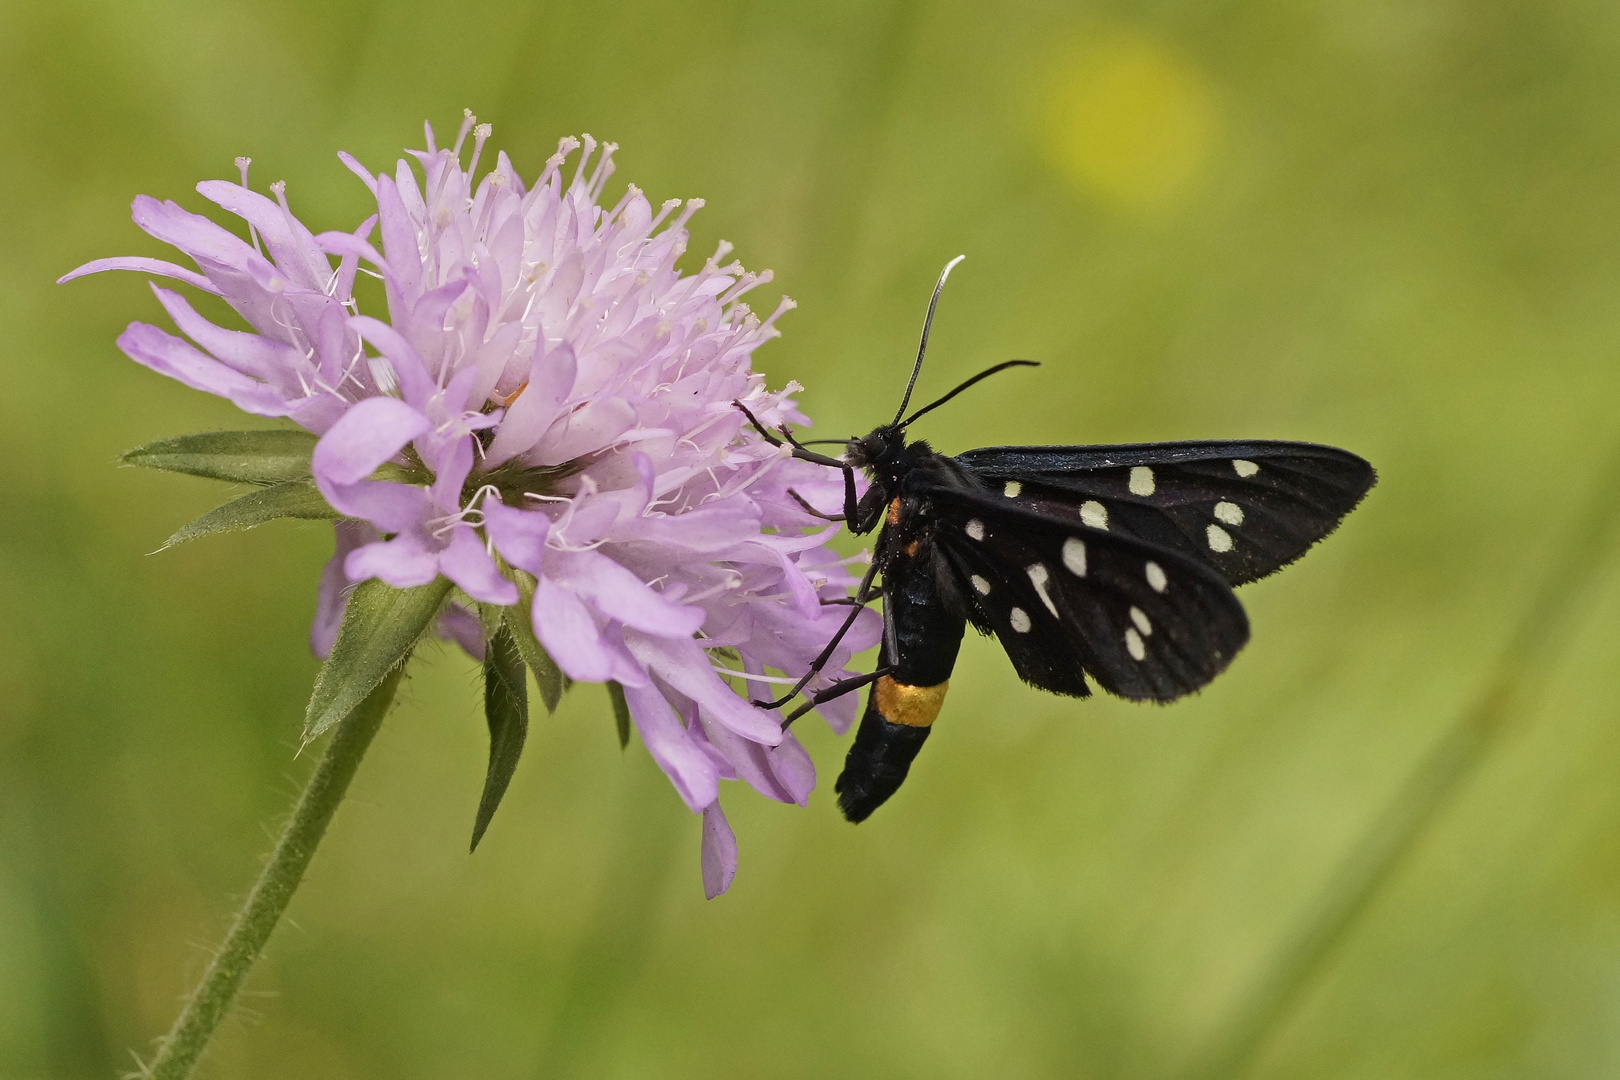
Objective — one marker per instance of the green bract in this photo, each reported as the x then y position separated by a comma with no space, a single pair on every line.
288,499
247,457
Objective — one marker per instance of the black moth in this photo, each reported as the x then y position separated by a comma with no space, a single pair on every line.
1116,562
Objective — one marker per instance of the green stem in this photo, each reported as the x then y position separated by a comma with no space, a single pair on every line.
1537,642
208,1004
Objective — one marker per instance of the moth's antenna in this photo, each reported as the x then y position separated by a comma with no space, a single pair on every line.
922,347
985,374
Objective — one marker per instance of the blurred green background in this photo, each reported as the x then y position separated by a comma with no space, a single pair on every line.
1391,225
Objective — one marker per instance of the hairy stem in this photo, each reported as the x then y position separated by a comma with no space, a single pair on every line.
1536,644
208,1004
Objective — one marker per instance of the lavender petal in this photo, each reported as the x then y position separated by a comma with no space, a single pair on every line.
685,666
695,778
461,626
331,596
620,594
719,853
569,634
143,266
402,562
369,434
519,535
168,355
466,563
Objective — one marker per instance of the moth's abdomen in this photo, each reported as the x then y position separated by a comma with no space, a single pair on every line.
896,723
924,635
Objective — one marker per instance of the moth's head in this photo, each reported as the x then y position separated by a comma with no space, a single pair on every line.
869,451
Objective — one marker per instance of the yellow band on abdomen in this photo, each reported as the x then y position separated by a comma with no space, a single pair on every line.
913,706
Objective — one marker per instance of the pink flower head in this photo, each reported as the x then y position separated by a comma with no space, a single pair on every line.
547,393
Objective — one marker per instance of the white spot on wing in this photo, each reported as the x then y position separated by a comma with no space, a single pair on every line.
1245,468
975,529
1139,617
1038,577
1231,513
1219,538
1074,556
1133,644
1094,513
1019,620
1141,480
1156,578
1012,489
980,586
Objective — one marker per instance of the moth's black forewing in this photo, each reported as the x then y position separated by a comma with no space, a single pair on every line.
1067,600
1244,508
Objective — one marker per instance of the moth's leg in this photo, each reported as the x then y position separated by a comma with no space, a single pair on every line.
861,596
850,501
798,451
851,514
851,601
812,511
759,427
811,456
836,690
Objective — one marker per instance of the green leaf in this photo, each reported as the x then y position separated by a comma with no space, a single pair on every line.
380,627
518,621
249,457
289,499
621,713
506,707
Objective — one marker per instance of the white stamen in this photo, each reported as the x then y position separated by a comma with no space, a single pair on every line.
480,133
783,680
383,373
467,122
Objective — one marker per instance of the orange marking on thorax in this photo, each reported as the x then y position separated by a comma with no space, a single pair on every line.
894,512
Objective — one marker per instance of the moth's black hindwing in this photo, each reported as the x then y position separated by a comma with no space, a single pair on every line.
1244,508
1066,600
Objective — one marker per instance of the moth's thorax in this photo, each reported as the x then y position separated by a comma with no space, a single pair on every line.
887,459
881,453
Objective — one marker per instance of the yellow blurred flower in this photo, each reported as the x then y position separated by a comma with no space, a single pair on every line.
1126,119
